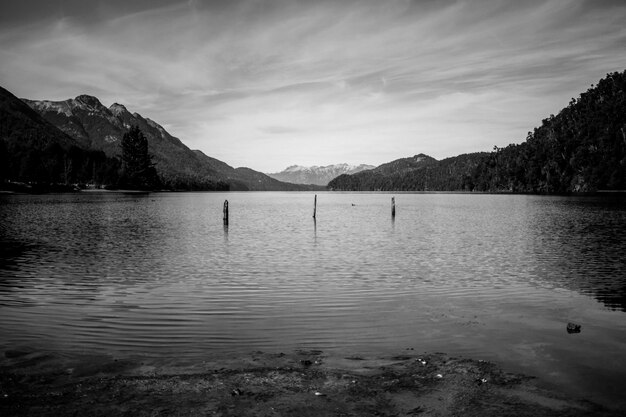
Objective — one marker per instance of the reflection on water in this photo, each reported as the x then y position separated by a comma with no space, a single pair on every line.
494,277
579,245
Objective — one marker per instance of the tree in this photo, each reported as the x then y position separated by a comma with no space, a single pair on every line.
4,160
138,171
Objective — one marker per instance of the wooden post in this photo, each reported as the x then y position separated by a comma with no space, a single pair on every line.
393,207
226,213
315,206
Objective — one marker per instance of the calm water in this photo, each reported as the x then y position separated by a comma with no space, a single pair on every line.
491,277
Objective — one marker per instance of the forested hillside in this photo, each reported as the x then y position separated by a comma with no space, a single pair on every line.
34,151
419,173
581,149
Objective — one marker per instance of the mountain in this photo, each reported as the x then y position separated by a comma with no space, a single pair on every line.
94,126
20,123
319,175
581,149
418,173
405,165
36,156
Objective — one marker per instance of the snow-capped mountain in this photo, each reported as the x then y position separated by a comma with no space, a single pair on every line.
318,175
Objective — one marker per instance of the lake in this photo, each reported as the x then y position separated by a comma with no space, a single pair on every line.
495,277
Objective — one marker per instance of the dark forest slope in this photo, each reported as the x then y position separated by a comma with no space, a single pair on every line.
419,173
581,149
32,150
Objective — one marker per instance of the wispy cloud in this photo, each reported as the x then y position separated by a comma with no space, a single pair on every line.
268,84
279,130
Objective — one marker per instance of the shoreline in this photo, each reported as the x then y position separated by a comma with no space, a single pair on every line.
302,383
63,189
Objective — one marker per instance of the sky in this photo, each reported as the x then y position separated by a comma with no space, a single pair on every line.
267,84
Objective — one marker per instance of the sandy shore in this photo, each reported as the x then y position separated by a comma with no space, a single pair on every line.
302,383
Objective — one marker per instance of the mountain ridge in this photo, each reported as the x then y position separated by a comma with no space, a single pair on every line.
35,156
94,126
316,174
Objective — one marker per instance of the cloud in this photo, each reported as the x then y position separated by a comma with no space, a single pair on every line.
279,130
267,84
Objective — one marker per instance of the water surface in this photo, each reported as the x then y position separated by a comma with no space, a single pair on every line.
494,277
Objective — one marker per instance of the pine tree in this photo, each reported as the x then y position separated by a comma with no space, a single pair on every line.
138,171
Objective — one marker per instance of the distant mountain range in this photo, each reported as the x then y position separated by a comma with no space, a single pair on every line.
319,175
581,149
38,135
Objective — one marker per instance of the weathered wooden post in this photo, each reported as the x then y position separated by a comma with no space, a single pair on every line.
314,206
226,213
393,207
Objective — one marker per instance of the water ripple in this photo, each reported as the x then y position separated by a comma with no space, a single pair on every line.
158,273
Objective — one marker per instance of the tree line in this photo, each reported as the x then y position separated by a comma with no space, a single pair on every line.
36,163
54,167
581,149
